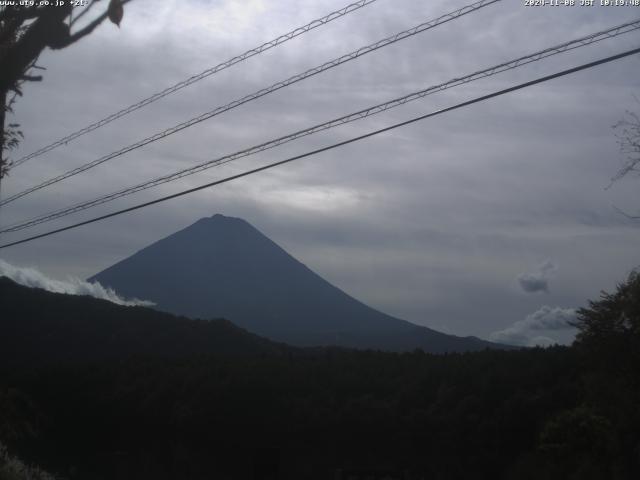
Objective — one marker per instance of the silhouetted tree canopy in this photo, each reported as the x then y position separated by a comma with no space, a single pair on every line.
111,392
610,327
26,29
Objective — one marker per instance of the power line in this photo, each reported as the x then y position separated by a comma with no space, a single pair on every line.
333,146
260,93
374,110
196,78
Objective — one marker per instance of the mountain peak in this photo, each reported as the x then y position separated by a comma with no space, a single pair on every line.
217,228
221,221
218,218
221,217
223,267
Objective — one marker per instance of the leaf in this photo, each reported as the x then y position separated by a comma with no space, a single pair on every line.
115,11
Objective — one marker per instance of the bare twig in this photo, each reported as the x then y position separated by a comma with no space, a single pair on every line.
621,212
628,135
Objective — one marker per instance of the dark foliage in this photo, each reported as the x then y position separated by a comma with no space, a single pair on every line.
42,328
159,411
28,28
611,326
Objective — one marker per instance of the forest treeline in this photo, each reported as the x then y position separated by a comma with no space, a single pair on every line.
267,411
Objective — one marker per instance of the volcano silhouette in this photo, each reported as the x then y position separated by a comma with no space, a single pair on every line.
222,267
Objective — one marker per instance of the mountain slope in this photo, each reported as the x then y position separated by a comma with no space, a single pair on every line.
43,328
224,267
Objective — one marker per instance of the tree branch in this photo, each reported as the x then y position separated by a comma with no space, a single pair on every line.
631,217
84,11
84,31
21,14
88,28
43,32
628,135
25,31
31,78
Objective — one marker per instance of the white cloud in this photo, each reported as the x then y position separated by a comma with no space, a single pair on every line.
524,332
30,277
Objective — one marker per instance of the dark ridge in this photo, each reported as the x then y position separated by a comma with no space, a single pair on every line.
44,328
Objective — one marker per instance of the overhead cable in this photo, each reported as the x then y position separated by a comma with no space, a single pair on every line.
333,146
361,114
260,93
196,78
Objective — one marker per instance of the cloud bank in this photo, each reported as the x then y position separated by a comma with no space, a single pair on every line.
408,222
30,277
538,280
526,332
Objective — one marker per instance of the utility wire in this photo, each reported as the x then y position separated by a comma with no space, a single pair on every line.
376,109
335,145
195,78
260,93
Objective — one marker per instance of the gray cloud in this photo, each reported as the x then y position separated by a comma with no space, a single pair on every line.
31,277
526,332
538,280
531,283
429,223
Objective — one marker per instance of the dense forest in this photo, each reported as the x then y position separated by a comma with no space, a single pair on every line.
92,390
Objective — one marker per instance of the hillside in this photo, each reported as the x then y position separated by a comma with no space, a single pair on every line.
89,389
39,327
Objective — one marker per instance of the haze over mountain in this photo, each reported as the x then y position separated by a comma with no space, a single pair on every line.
222,267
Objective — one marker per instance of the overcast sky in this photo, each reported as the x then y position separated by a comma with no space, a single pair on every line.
491,221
